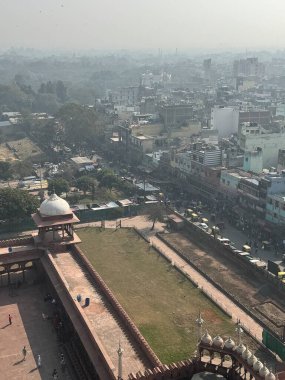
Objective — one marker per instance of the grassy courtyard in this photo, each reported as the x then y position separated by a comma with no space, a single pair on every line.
162,303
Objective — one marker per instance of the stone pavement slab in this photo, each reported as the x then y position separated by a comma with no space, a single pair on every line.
28,329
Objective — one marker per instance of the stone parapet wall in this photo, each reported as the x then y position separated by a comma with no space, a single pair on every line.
180,370
16,242
128,323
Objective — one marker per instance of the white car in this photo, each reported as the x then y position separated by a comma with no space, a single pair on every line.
204,226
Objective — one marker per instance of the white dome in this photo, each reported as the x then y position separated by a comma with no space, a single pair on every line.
206,338
252,359
270,376
257,365
240,348
54,206
264,371
246,354
218,341
229,344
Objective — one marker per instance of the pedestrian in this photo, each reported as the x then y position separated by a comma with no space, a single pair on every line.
54,374
24,351
10,319
62,363
39,361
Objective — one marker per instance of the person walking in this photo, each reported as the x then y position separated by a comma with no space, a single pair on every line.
54,374
10,319
24,351
62,363
39,361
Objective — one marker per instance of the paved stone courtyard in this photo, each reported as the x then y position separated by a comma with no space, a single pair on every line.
28,329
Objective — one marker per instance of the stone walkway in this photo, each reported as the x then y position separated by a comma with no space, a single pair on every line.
99,313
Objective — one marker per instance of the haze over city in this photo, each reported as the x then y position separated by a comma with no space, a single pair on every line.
142,189
143,24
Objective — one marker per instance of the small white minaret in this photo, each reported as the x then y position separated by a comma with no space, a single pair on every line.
239,331
199,323
120,362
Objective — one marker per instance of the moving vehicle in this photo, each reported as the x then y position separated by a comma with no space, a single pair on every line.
188,212
246,248
204,226
224,241
281,275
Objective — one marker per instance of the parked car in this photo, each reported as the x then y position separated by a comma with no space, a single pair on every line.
204,226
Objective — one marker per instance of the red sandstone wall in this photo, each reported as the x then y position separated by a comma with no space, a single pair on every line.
16,242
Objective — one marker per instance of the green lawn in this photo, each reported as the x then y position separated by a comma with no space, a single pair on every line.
162,303
102,195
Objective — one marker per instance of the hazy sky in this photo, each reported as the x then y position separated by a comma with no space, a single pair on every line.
142,24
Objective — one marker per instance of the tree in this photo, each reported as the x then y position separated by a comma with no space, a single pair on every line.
61,91
80,124
86,183
16,204
107,178
22,169
155,213
5,170
58,185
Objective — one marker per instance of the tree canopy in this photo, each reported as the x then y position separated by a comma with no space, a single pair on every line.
5,170
107,179
155,213
16,204
80,123
58,185
86,183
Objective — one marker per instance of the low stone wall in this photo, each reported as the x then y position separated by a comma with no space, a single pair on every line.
128,323
201,237
16,242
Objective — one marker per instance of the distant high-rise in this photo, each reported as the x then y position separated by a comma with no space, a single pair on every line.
247,67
